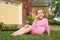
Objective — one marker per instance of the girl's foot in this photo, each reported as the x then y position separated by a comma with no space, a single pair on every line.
13,34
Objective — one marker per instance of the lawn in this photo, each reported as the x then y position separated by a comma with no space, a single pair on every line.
55,35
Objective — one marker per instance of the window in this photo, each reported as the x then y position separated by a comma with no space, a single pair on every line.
16,4
12,3
6,2
0,1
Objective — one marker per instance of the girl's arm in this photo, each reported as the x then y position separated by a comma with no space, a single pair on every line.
34,23
47,27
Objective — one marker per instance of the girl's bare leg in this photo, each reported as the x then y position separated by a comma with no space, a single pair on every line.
14,33
23,28
24,31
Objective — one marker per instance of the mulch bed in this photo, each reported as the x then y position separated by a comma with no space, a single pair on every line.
8,29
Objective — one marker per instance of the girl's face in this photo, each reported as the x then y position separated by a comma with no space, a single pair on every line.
40,14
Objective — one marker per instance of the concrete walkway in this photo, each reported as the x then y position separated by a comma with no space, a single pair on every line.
54,27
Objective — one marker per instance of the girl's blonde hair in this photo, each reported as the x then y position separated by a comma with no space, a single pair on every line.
42,11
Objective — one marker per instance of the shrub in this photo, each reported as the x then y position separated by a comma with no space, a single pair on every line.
1,24
9,27
50,16
29,20
13,26
50,20
53,22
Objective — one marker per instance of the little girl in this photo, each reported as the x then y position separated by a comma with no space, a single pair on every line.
39,26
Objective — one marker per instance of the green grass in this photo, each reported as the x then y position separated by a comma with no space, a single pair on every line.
5,35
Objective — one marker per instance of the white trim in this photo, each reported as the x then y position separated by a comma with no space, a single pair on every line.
20,13
0,1
9,4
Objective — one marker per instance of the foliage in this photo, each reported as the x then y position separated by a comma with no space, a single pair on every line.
50,16
50,20
29,20
9,27
1,24
53,22
6,26
55,7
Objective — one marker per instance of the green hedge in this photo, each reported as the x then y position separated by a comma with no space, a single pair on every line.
30,20
50,16
53,22
2,25
13,26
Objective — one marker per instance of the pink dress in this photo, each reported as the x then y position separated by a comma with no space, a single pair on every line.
39,26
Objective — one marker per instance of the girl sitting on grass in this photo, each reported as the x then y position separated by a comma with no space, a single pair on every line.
39,26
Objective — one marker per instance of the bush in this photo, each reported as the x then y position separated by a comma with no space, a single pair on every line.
5,26
13,26
50,20
29,20
9,27
50,16
53,22
1,25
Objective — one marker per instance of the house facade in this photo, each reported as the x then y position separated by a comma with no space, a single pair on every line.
11,12
16,11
